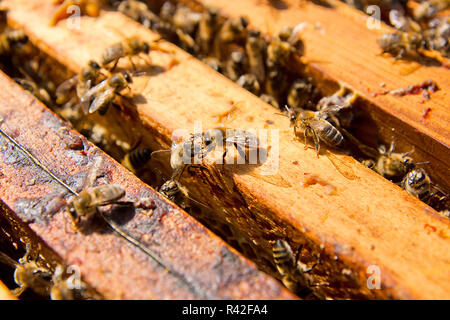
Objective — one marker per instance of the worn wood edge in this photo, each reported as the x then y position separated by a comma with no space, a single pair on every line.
246,282
408,199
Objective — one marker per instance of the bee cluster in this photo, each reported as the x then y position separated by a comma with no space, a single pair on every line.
421,26
33,275
253,60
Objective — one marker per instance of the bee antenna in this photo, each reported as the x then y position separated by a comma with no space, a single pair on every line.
422,162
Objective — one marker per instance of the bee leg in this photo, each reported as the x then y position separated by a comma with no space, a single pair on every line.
391,148
400,54
316,142
306,136
18,291
115,64
132,63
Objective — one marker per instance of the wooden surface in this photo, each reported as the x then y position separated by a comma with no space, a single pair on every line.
5,294
196,264
340,48
369,221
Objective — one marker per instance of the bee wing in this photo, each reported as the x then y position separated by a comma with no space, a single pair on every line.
341,166
4,258
103,98
107,194
64,89
87,97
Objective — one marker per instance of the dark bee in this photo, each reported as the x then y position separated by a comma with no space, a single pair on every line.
417,183
209,23
9,39
232,31
401,43
250,83
294,275
255,48
300,95
136,159
235,66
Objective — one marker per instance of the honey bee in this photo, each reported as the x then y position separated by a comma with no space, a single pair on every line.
390,164
294,274
337,107
255,48
276,82
87,202
9,39
232,31
267,98
437,36
300,95
99,97
130,47
213,63
176,193
82,82
235,66
28,274
136,159
250,83
321,130
418,183
282,46
140,12
88,7
401,43
209,23
429,8
181,17
33,88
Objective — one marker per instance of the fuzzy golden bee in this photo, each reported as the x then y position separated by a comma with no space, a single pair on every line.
82,82
314,123
99,98
255,48
87,202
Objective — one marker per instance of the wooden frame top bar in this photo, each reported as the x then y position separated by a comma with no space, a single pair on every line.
369,221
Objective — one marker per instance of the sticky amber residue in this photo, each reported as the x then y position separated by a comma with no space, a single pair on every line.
311,179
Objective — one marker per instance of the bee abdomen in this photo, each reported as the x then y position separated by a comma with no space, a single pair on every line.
112,53
139,157
332,136
281,255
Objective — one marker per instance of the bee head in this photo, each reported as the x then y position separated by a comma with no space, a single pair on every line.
94,65
408,162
